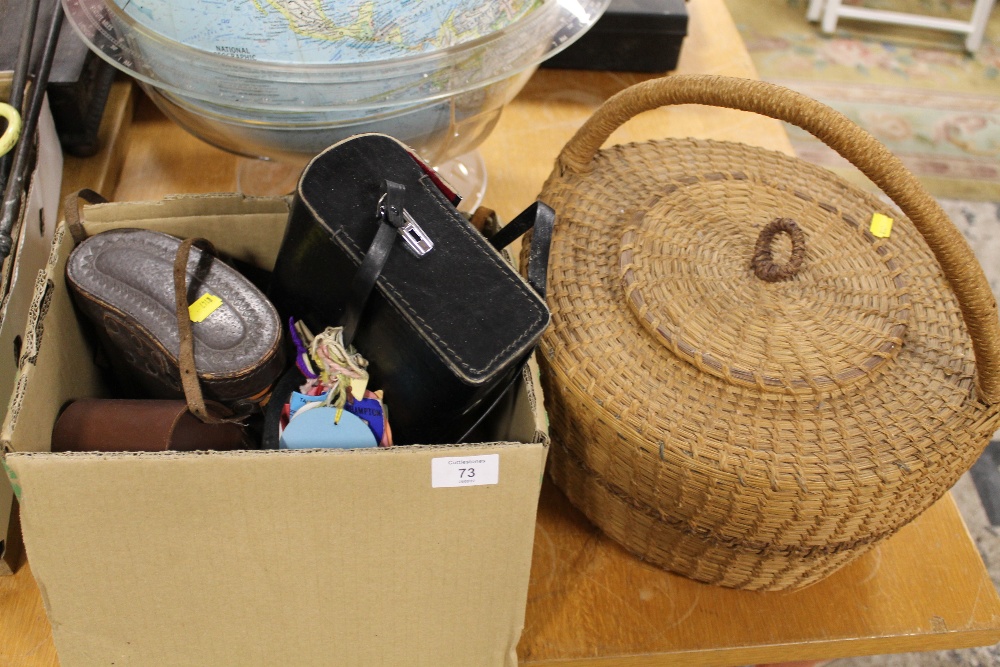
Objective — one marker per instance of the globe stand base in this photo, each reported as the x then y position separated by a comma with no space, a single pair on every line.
267,178
271,178
467,174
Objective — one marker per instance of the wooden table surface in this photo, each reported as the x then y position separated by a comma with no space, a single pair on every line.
590,603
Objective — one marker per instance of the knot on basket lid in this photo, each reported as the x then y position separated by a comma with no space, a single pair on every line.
764,266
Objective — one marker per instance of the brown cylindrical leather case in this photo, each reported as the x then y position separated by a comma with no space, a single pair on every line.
112,425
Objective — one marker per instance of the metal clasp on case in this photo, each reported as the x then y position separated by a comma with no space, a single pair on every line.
417,240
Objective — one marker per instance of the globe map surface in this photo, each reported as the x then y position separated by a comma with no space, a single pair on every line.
284,79
323,31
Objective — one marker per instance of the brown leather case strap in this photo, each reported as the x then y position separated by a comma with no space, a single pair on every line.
185,357
74,216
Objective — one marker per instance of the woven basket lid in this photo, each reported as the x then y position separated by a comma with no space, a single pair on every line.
718,268
760,268
737,361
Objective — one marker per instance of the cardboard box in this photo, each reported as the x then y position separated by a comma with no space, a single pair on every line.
262,557
32,236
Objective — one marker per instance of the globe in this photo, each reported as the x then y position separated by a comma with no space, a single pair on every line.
296,32
284,79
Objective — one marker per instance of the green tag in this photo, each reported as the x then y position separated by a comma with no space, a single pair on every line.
203,307
881,225
12,476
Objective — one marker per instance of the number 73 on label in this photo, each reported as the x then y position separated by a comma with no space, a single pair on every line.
450,471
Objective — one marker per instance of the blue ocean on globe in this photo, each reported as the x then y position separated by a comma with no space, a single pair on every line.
324,31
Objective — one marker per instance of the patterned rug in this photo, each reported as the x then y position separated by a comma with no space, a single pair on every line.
918,91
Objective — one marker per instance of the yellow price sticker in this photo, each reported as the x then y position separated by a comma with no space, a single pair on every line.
203,307
881,225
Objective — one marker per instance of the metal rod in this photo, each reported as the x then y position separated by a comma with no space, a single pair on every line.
20,77
11,207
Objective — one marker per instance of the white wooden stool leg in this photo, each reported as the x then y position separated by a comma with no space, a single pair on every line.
815,10
830,15
980,16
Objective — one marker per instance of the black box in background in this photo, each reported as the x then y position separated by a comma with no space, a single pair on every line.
633,36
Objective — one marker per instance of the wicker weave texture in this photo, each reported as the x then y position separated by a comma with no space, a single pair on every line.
742,431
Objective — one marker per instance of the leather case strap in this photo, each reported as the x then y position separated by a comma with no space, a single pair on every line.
74,218
376,257
185,357
539,218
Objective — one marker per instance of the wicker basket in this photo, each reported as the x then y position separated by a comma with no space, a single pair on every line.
745,385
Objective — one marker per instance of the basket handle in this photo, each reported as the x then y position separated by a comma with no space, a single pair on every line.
976,300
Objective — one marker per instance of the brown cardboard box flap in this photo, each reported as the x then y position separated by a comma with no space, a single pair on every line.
255,558
32,237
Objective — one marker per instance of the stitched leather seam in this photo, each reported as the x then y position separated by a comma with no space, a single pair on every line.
504,270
